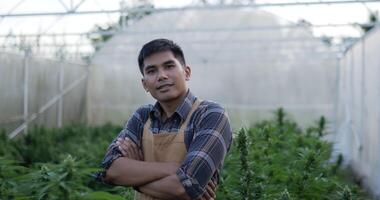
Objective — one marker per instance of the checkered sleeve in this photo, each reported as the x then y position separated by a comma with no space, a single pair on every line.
132,130
206,152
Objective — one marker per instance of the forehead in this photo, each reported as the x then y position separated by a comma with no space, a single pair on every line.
159,58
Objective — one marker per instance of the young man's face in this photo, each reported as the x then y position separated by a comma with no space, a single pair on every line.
165,77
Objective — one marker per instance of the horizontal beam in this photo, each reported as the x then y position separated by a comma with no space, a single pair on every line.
207,42
42,14
258,5
248,28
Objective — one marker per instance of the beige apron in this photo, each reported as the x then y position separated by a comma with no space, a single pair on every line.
164,147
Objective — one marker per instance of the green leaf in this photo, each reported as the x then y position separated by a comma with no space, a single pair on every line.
103,196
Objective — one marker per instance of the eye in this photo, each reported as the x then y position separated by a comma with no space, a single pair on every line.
170,66
150,71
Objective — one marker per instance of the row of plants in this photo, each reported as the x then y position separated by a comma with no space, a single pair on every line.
275,159
57,164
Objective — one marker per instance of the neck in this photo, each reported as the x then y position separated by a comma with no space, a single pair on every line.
169,107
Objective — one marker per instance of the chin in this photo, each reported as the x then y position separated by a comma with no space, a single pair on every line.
167,97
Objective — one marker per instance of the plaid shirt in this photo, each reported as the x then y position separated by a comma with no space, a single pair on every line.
208,138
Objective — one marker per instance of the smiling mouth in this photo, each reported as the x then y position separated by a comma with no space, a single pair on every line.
164,86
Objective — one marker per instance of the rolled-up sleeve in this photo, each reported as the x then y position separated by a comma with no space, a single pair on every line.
206,153
113,151
132,129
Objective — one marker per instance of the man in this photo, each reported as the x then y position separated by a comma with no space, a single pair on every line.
176,148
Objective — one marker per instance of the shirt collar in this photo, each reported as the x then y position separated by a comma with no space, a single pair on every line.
182,110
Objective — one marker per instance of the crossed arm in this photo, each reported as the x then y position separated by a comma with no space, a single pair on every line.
157,179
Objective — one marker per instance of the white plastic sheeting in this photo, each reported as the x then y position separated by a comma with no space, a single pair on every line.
239,57
42,91
358,116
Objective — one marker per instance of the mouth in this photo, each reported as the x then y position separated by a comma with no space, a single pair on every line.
164,86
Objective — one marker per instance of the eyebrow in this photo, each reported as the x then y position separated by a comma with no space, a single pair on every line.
168,62
164,63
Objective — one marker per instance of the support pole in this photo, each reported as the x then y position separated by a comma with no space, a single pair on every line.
60,90
26,88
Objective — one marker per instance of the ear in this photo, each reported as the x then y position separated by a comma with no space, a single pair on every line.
144,84
187,73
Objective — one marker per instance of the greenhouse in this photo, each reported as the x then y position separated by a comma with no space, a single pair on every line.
298,79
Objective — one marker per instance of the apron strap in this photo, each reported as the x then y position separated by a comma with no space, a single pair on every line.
193,108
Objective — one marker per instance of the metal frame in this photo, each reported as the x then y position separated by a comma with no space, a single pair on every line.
26,86
248,28
42,109
72,9
177,31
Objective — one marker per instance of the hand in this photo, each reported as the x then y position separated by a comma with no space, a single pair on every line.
209,194
129,149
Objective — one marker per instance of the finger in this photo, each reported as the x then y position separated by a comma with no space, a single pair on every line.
119,140
130,142
124,148
123,152
206,194
212,184
210,191
132,151
133,148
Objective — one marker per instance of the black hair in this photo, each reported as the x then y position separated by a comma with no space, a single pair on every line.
160,45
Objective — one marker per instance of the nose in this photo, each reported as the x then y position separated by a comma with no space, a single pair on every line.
162,74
